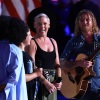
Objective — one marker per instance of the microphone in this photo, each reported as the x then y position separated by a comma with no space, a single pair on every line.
58,80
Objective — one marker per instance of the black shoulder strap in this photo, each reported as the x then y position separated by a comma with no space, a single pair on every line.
35,41
52,43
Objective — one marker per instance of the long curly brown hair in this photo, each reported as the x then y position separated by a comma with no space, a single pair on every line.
95,28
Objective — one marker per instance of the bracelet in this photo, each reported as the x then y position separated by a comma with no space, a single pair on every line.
57,66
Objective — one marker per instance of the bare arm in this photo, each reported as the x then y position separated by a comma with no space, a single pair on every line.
57,61
37,73
72,64
57,65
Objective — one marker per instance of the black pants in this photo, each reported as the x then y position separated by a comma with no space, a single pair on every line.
90,95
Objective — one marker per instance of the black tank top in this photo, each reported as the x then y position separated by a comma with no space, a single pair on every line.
45,59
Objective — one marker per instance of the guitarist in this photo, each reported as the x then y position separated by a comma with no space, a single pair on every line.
85,41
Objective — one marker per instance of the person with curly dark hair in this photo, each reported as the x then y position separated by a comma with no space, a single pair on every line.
12,74
20,35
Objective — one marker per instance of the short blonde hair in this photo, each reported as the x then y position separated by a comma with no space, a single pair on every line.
41,15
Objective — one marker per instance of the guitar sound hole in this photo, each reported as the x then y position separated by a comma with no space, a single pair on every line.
79,70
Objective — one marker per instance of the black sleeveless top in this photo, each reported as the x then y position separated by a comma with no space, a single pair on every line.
45,59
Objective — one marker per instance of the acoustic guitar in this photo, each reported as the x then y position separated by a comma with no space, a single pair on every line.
75,81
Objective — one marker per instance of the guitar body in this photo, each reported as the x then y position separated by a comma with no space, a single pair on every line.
75,81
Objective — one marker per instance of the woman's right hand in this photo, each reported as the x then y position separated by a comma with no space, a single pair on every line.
49,86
